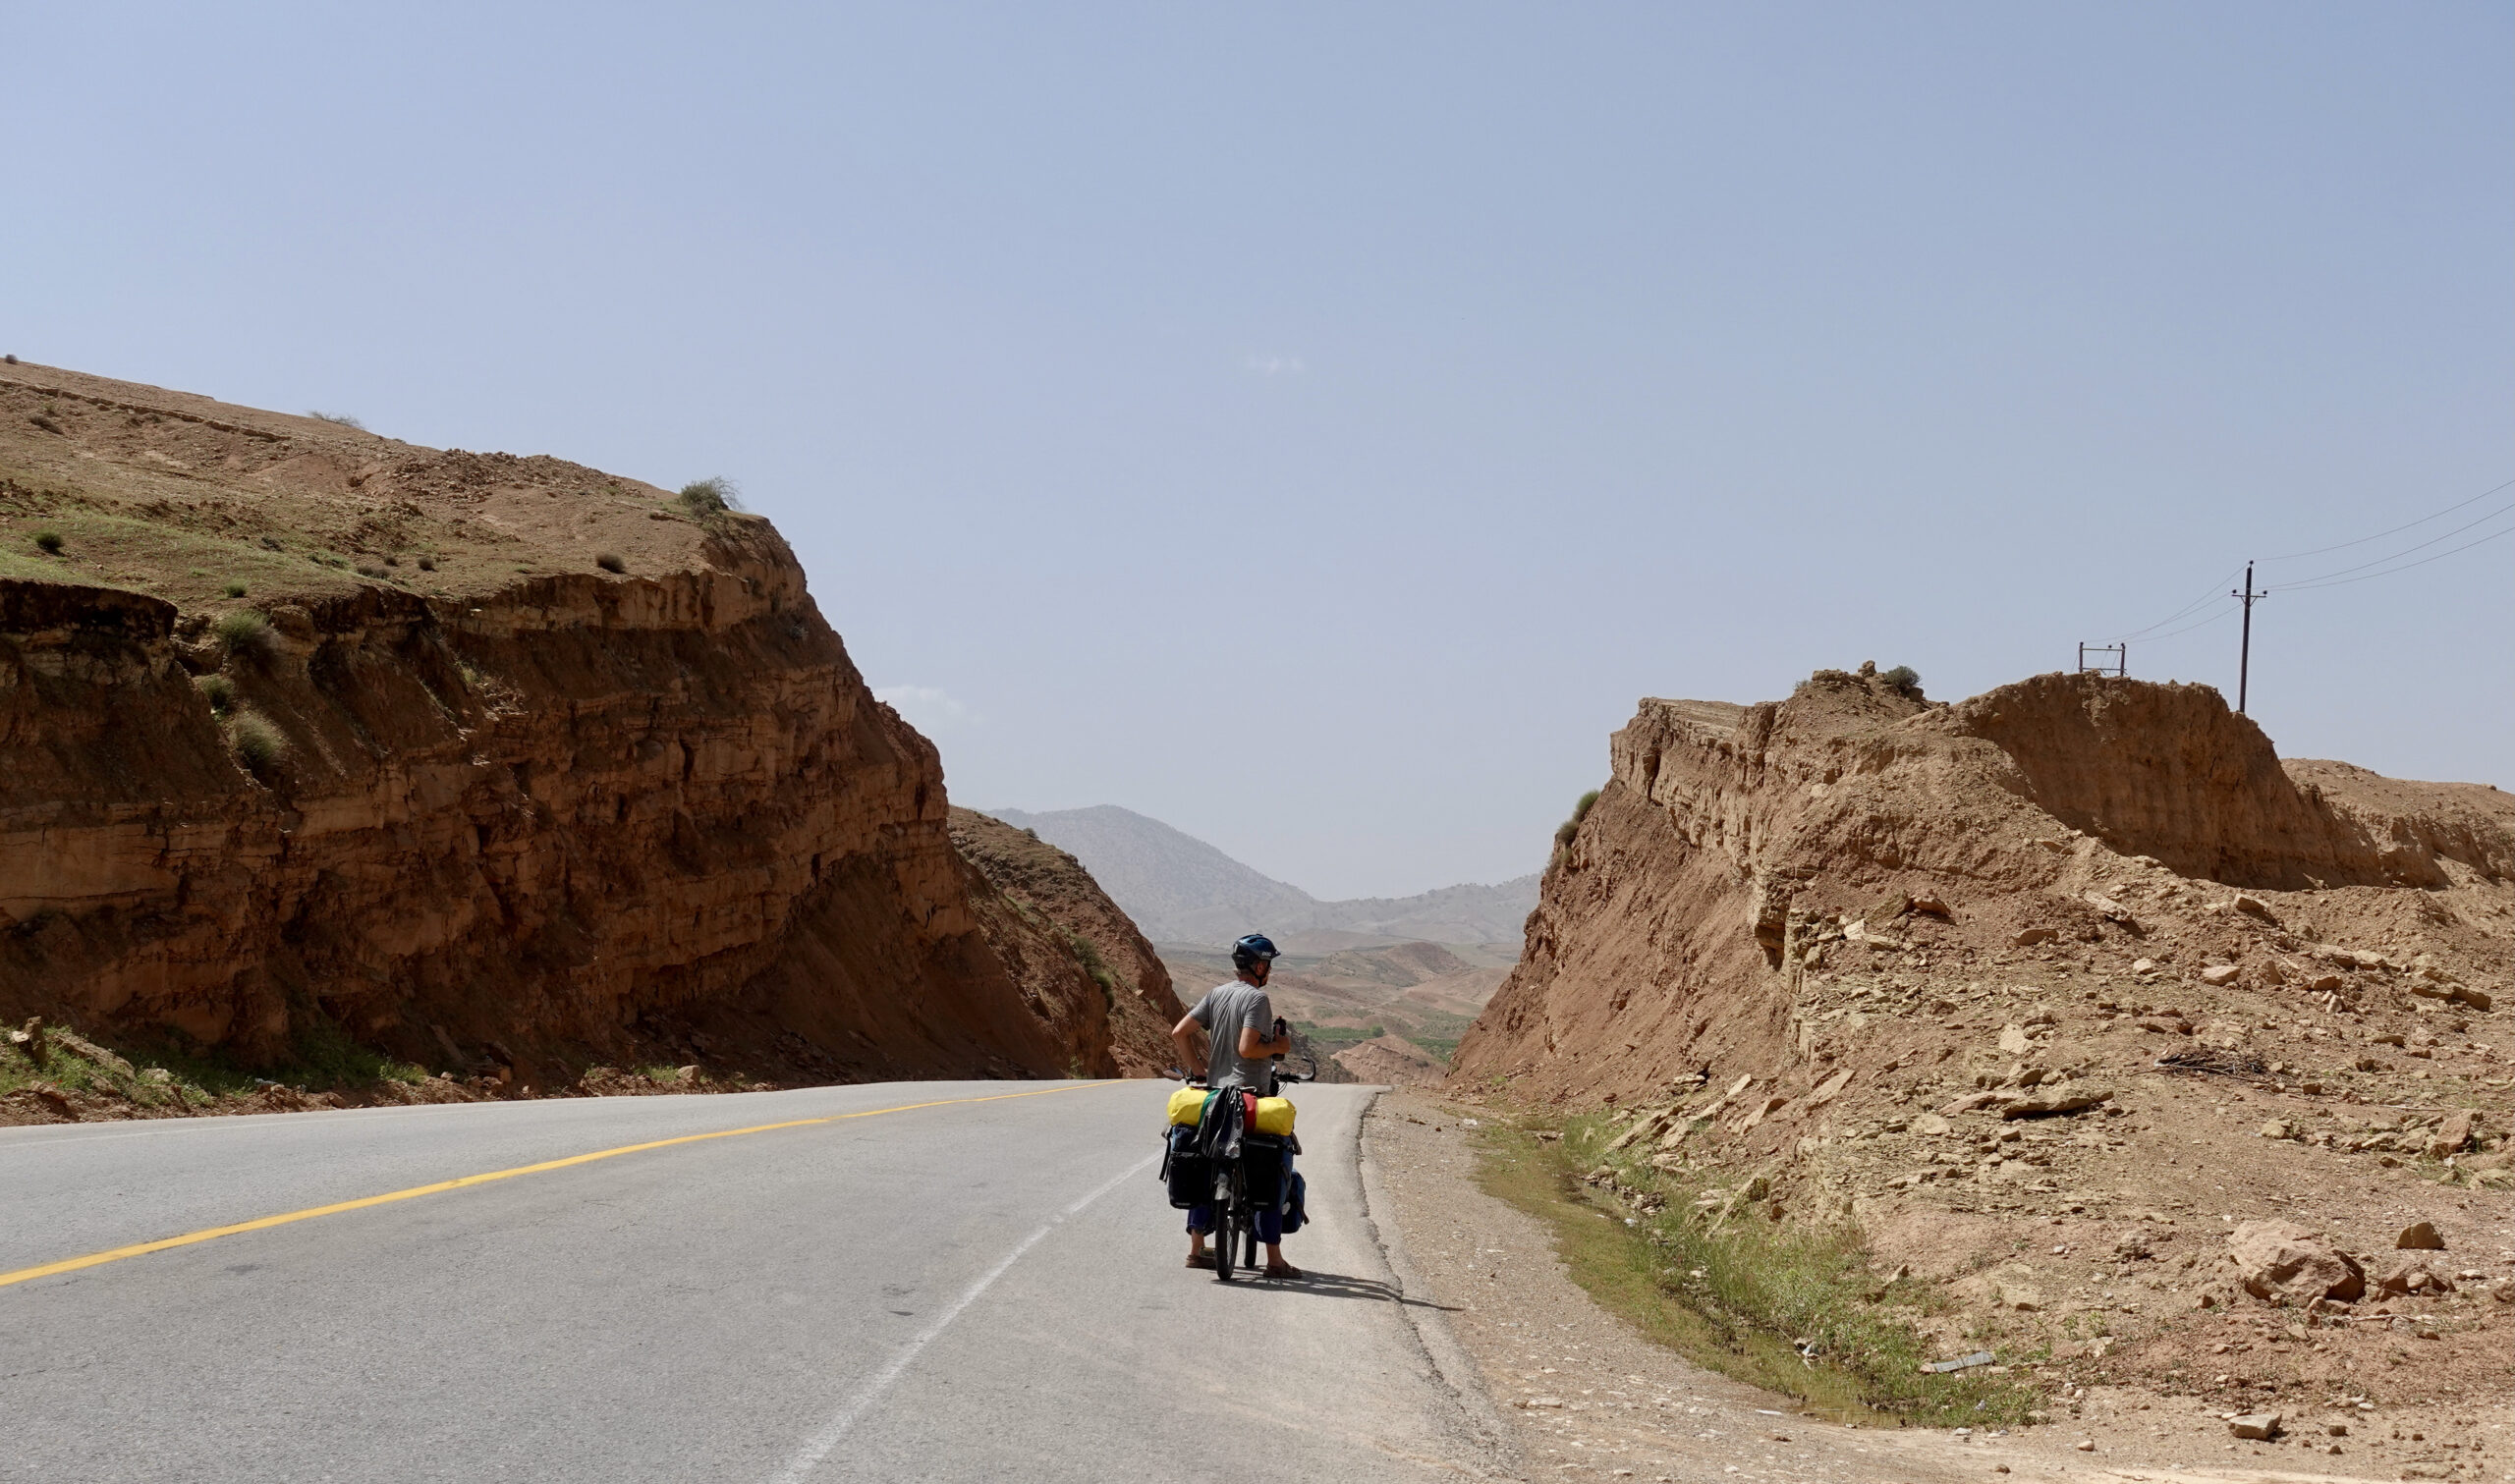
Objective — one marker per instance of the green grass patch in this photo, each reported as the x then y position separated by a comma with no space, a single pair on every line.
324,1055
1087,954
242,630
257,742
155,1075
1792,1307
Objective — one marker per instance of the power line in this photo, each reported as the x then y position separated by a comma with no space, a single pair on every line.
2405,567
2210,596
2380,535
2318,579
2221,614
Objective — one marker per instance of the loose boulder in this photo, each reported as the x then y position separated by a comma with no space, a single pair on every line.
2420,1236
2282,1262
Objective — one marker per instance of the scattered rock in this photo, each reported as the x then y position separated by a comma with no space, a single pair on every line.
2255,906
2452,1134
2421,1235
2254,1425
2015,1042
2477,999
2030,936
2413,1276
2220,973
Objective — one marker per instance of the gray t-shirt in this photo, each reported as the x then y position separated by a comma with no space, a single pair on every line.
1224,1012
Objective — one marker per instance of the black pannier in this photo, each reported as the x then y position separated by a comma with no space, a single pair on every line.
1262,1167
1190,1174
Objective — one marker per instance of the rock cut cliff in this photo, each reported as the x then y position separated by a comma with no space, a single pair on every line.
497,765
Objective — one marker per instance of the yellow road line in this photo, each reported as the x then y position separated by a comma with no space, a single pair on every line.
142,1249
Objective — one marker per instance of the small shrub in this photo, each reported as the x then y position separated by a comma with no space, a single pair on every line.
1902,678
342,420
427,563
1564,832
711,496
49,540
392,561
242,632
610,561
44,420
258,742
218,691
234,589
370,569
271,543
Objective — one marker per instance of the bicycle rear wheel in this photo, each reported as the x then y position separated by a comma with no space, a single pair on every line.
1226,1224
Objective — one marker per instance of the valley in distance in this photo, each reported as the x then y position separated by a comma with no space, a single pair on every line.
1381,988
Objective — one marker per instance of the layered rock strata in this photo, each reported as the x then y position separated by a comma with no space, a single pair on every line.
478,760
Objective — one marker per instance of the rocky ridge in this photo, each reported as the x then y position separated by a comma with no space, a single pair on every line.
2050,992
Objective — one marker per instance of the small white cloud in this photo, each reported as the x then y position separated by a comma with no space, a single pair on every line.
926,708
1276,365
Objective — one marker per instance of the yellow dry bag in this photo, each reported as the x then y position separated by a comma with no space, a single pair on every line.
1274,1115
1188,1105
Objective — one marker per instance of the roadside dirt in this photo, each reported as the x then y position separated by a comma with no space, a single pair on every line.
1592,1399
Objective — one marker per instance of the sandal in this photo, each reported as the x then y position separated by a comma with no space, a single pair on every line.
1284,1270
1201,1259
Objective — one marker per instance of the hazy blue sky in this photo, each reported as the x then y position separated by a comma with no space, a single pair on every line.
1315,425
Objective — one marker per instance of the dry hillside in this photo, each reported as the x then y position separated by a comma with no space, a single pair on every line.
1044,898
329,751
2135,1041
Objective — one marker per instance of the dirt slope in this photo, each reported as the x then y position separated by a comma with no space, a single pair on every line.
497,766
2050,991
1044,896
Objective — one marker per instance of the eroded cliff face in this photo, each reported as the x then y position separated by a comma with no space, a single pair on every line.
495,762
1673,928
2037,991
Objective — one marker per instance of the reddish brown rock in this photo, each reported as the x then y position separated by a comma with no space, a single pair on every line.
517,808
2281,1261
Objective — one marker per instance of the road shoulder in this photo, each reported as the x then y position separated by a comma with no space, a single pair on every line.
1587,1396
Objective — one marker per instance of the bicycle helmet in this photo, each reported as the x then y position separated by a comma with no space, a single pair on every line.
1254,948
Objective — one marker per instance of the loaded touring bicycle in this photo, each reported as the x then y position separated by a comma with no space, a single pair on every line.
1232,1152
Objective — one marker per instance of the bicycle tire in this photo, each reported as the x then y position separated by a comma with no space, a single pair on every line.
1226,1215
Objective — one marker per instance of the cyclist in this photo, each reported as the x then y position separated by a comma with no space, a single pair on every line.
1244,1037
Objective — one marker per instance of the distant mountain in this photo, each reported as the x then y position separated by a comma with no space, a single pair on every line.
1181,890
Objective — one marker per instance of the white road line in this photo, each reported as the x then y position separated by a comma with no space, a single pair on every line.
819,1446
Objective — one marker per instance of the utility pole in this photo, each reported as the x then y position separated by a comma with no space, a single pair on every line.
2244,659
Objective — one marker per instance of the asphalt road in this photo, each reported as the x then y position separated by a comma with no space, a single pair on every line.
976,1290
